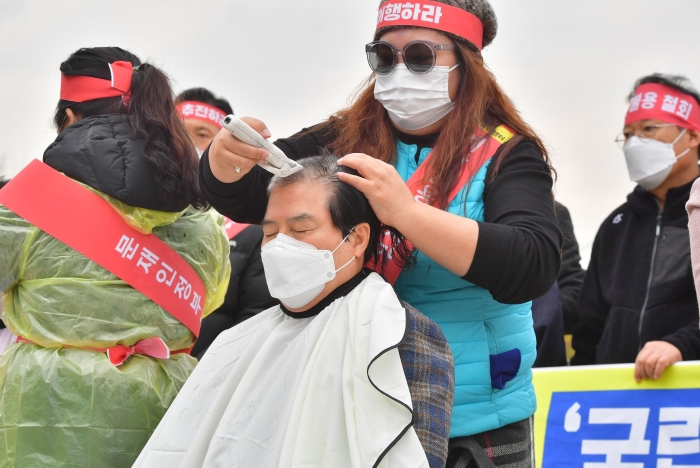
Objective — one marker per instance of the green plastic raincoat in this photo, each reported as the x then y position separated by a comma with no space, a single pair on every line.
62,405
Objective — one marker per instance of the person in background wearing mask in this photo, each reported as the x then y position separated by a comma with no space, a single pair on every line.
638,302
447,160
106,297
203,114
247,294
342,374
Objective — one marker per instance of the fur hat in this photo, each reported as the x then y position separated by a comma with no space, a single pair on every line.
479,8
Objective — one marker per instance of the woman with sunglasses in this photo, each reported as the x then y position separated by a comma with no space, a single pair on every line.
446,159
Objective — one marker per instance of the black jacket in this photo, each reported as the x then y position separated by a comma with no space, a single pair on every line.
571,274
247,293
517,256
556,310
101,152
639,285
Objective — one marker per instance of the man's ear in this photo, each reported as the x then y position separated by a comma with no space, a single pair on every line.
359,239
694,138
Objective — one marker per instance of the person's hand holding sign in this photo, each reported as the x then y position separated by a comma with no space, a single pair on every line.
654,358
230,159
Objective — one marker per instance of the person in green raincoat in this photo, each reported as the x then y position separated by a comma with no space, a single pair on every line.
62,402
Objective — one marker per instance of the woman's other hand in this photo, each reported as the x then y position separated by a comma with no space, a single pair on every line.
382,185
230,159
448,239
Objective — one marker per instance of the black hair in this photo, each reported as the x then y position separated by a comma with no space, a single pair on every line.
3,182
349,207
151,115
205,96
677,82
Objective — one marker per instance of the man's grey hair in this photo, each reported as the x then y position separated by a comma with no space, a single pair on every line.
323,168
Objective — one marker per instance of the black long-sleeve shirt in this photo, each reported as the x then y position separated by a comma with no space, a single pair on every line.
517,255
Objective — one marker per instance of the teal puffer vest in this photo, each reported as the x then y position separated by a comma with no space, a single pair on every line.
493,344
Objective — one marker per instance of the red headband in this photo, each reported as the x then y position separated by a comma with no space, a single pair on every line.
658,102
432,15
78,88
201,111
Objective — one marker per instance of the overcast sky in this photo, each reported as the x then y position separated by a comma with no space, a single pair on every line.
567,65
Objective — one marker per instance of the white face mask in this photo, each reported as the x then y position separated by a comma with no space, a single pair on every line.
649,162
296,272
415,101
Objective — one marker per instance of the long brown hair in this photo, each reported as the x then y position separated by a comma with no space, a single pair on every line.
152,117
365,127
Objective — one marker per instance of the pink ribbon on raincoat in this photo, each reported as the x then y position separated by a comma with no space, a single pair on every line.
154,347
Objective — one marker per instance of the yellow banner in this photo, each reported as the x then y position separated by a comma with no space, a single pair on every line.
598,416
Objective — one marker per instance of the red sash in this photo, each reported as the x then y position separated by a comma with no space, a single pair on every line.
87,223
482,152
233,228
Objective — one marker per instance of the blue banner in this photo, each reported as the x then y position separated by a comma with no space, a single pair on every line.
598,417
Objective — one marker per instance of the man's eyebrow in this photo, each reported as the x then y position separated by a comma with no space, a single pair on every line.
301,217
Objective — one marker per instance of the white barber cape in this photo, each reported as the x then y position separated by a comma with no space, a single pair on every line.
277,391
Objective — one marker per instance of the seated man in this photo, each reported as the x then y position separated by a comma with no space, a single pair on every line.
638,303
341,374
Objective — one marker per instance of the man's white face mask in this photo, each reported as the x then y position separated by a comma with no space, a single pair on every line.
415,101
295,271
649,162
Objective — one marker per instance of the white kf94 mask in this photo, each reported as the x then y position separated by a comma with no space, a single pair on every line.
415,101
295,271
649,162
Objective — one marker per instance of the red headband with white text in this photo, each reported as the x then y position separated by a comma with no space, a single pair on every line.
77,88
432,15
201,111
658,102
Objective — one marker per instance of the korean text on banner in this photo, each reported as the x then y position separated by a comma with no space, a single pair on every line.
85,222
598,417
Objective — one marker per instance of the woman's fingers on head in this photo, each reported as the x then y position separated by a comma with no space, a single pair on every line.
360,183
366,165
